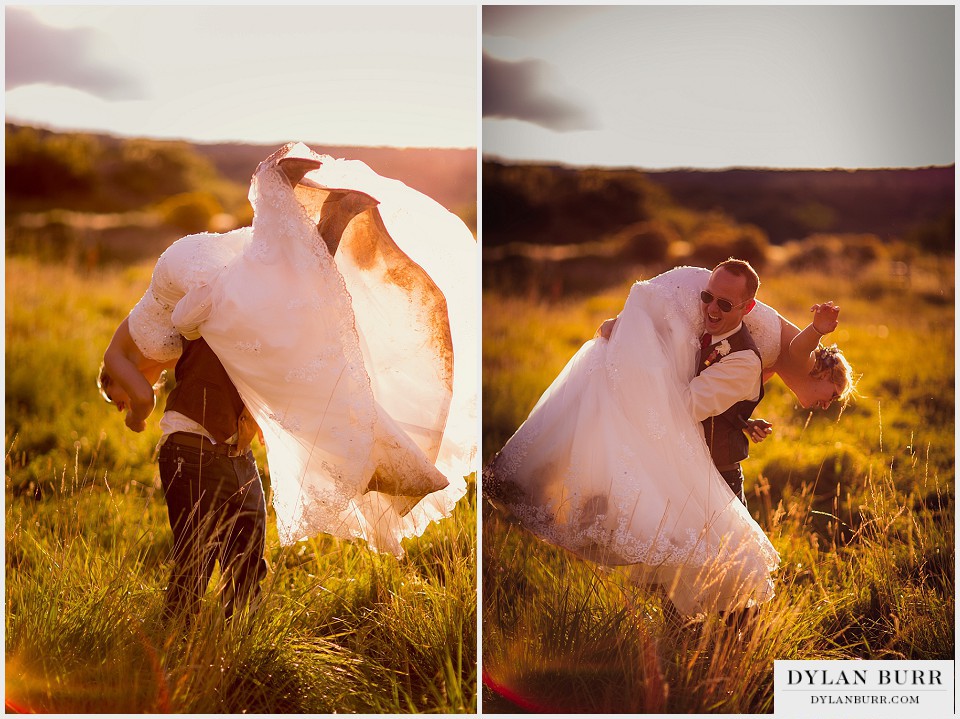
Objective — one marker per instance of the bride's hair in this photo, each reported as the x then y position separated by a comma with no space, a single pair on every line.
829,362
104,380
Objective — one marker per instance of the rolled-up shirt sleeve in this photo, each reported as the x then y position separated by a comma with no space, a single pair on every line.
732,379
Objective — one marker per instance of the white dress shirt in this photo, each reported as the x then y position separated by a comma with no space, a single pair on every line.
732,378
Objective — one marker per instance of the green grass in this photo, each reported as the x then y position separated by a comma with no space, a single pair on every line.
341,628
859,504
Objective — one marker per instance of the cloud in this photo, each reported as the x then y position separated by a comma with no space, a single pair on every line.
39,54
521,91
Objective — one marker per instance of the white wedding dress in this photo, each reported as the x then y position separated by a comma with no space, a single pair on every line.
360,367
612,465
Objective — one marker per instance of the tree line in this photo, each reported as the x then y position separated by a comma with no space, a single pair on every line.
538,203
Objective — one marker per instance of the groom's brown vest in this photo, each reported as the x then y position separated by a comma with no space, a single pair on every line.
724,432
204,392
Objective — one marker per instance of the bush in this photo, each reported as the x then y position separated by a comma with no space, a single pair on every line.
647,242
41,165
863,249
937,236
838,253
717,238
190,211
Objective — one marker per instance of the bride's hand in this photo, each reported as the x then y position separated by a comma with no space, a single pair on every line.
826,317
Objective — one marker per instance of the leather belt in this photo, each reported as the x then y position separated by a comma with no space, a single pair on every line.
729,467
196,441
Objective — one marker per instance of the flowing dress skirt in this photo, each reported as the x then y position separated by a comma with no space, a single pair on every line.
358,366
612,465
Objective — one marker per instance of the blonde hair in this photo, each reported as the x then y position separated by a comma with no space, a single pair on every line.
830,363
104,380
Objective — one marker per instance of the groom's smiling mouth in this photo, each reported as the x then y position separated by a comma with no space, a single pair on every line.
713,319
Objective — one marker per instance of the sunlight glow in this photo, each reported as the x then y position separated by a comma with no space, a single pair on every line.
391,76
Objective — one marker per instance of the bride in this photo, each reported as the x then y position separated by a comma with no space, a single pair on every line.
612,465
345,316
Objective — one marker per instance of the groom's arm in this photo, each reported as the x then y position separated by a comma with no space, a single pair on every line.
734,378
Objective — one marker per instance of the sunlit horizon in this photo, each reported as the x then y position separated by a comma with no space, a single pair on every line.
268,141
343,76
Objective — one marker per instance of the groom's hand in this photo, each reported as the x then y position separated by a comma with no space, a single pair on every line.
758,430
247,429
606,328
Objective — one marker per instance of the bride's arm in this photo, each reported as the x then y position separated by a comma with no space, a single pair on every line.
801,344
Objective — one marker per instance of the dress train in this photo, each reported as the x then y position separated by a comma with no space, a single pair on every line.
612,465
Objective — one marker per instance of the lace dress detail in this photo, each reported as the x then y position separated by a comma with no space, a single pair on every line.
352,451
612,465
189,263
764,325
683,285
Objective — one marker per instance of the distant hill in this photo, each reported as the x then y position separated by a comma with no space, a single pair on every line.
550,204
791,204
448,176
89,171
94,198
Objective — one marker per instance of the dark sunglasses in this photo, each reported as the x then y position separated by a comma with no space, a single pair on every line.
724,305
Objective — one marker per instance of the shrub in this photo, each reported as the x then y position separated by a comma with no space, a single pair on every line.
717,237
647,242
840,253
863,249
190,211
937,236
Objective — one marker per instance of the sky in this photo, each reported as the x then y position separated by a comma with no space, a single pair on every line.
368,76
713,86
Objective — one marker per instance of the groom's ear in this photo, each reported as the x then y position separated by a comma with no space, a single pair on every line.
749,306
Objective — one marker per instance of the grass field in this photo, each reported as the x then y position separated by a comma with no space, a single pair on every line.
341,629
858,502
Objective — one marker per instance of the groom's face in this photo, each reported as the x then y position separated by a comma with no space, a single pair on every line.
725,285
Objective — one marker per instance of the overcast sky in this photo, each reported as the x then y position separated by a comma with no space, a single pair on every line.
714,86
395,76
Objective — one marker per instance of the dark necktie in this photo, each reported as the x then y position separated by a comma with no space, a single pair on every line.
705,341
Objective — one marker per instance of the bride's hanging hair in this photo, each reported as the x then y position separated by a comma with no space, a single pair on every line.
830,362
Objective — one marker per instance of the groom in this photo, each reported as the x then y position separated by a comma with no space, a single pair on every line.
212,488
728,383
